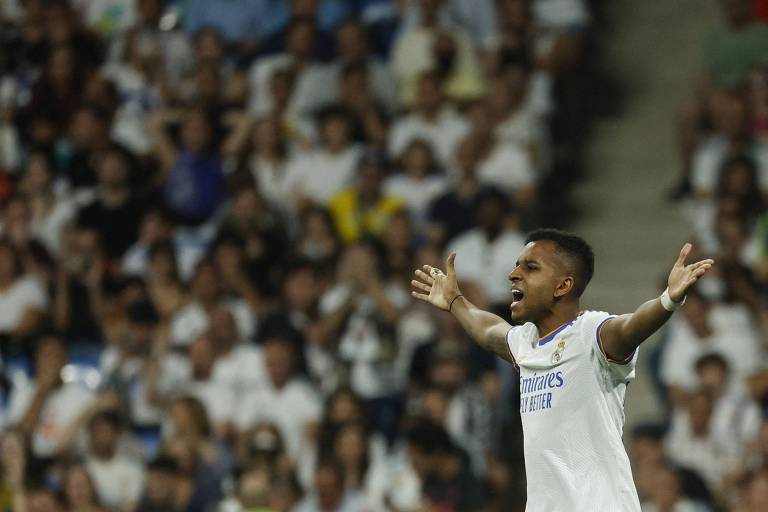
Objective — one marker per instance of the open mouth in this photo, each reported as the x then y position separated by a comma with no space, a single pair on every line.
517,296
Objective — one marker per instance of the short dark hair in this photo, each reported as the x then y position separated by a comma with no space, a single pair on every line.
711,358
110,417
575,248
429,437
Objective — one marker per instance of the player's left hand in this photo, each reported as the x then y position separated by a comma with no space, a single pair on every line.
683,276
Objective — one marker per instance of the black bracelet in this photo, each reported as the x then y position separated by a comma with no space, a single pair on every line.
452,301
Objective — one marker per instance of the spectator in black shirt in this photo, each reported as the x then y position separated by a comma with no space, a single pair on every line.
114,213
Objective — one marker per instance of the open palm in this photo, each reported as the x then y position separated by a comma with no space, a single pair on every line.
683,276
439,290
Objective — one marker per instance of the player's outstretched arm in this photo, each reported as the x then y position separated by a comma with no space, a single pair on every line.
442,291
623,334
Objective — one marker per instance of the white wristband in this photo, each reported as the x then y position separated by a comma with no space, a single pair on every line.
667,302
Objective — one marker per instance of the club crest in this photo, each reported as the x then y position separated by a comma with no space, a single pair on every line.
557,355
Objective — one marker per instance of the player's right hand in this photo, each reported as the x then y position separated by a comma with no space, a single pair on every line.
435,286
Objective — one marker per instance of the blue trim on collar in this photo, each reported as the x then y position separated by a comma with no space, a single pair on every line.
551,336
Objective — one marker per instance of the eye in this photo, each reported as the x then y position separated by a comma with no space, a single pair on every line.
531,267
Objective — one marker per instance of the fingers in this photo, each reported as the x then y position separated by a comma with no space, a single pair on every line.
421,286
449,264
684,252
420,296
695,274
700,266
707,263
424,275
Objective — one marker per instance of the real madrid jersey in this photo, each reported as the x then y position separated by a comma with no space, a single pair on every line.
572,410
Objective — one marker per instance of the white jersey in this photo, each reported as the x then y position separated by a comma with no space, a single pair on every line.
572,410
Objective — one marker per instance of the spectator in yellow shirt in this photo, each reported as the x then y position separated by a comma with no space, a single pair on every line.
362,209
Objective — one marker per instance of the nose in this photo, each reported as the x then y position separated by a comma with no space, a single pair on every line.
513,276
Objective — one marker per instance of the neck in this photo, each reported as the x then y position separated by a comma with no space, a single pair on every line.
114,196
560,315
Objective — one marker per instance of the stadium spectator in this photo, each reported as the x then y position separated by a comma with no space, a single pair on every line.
117,478
364,209
431,119
420,181
287,401
44,408
317,175
490,245
22,298
449,54
446,478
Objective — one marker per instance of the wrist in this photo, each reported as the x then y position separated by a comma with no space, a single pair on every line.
450,304
670,304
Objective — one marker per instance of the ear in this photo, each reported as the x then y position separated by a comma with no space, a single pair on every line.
564,287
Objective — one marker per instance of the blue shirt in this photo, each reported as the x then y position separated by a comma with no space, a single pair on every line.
235,20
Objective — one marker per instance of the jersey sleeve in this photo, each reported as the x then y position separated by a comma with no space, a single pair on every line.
593,326
517,337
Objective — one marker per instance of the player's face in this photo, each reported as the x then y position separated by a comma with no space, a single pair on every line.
535,278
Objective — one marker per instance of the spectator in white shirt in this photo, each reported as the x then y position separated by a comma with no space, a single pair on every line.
736,417
49,212
707,327
510,109
364,309
505,166
420,181
217,397
488,249
206,296
260,145
45,408
317,175
22,298
127,365
311,90
119,478
288,401
431,120
692,443
239,365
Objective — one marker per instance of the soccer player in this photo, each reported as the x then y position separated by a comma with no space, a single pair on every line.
574,366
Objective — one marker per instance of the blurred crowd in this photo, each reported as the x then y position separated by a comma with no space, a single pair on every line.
210,213
710,371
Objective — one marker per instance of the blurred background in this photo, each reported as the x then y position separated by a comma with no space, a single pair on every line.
210,212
